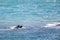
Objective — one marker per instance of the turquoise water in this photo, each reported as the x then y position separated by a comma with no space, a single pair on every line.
32,14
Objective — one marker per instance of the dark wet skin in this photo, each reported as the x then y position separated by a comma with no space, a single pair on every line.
19,26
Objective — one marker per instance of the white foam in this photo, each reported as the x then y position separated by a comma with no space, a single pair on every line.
8,28
12,27
53,24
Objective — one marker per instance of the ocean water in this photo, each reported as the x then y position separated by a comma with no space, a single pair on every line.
33,15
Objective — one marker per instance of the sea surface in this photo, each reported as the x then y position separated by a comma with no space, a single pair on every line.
33,15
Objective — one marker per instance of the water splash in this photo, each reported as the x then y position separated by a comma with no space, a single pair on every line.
53,25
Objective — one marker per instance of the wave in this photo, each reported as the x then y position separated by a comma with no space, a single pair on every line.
48,25
11,28
52,25
8,28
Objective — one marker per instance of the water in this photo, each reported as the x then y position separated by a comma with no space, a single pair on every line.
30,34
33,15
